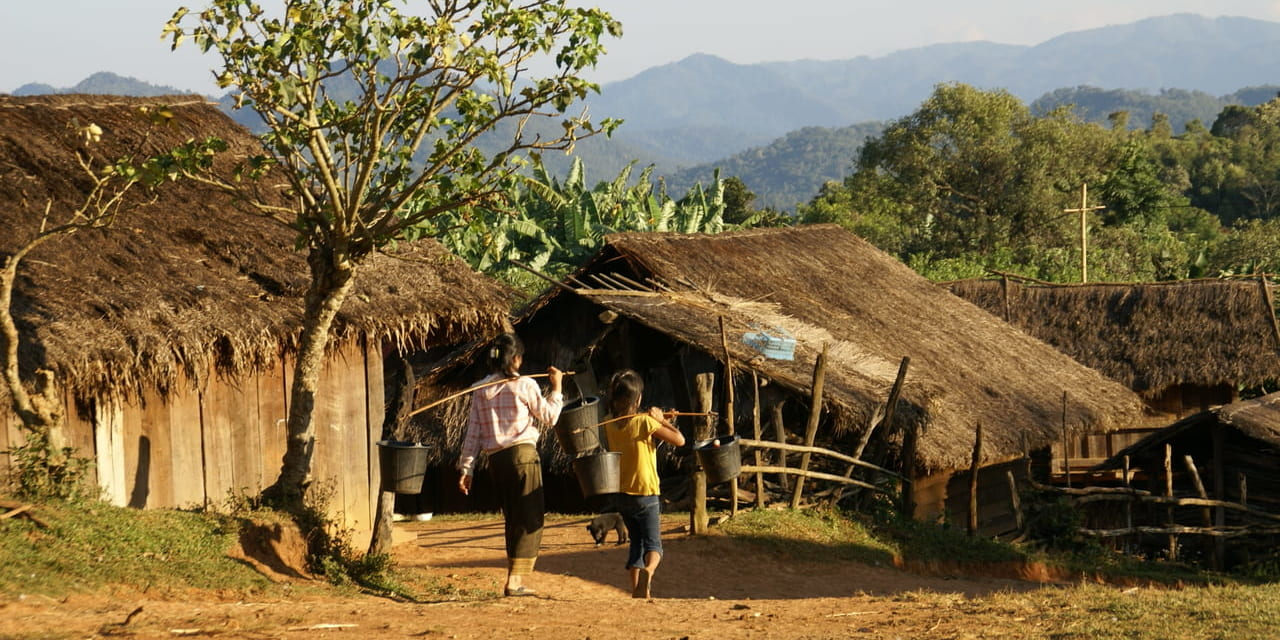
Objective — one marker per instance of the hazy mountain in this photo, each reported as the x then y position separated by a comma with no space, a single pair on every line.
786,127
1181,106
791,169
103,83
745,102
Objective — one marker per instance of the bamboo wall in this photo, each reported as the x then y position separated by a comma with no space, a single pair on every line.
197,446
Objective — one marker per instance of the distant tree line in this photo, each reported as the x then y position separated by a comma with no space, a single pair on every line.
976,180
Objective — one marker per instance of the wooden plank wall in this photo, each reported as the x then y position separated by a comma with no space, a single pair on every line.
10,436
197,446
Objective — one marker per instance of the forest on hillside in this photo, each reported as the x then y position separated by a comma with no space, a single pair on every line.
976,181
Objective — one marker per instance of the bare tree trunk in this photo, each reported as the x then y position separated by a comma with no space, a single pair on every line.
40,413
332,274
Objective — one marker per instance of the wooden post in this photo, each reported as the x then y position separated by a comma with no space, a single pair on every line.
974,465
1004,294
403,379
780,435
1168,492
1066,444
892,402
698,520
1219,493
1271,309
1015,500
811,429
757,431
1206,515
907,507
1084,229
885,418
728,411
1128,505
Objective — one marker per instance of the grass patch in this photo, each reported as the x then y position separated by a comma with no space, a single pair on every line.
91,545
811,535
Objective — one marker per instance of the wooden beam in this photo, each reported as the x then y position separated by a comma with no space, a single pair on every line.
816,475
765,444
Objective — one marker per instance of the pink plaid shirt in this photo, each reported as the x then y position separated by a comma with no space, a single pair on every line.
504,415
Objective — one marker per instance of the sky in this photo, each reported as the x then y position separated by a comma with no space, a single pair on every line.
61,42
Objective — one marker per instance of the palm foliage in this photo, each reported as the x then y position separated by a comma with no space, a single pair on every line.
554,224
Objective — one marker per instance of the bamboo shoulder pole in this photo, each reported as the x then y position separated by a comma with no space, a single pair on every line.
477,388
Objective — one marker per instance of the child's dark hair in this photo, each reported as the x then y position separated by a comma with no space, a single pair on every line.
503,353
625,389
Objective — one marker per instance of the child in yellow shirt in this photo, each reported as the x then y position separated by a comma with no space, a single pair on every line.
637,439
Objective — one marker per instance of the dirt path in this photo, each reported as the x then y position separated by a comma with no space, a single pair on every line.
703,590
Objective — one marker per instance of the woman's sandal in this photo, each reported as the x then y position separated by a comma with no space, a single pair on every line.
519,591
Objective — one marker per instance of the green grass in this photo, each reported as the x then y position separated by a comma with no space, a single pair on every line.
88,546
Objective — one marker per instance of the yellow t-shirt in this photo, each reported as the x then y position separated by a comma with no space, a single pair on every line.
639,464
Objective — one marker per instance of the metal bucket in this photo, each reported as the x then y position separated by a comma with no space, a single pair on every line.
578,427
720,457
599,473
403,465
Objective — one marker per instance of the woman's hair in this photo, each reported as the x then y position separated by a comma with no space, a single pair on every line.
625,389
503,353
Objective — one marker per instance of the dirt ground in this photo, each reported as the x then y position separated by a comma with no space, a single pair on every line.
703,589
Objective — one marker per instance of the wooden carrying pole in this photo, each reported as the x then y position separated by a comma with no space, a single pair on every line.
476,388
811,429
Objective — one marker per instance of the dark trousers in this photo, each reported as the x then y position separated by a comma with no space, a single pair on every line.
517,477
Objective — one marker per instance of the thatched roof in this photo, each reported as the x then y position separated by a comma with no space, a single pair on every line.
1147,336
827,286
189,280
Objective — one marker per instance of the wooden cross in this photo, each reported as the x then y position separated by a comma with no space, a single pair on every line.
1084,229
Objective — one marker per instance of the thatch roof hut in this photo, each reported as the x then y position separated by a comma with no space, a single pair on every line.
654,302
1235,449
1152,337
825,285
191,297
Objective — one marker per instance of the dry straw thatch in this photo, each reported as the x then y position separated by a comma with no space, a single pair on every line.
190,282
1147,336
827,286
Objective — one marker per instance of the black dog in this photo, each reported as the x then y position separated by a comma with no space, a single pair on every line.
601,524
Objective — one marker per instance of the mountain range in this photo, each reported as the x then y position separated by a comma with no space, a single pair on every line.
756,120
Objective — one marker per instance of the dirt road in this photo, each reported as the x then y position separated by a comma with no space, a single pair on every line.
705,588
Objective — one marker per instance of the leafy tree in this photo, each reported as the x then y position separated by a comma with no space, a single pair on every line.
970,174
1253,246
370,118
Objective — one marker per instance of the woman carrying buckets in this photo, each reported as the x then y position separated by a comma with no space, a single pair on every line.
639,503
502,425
